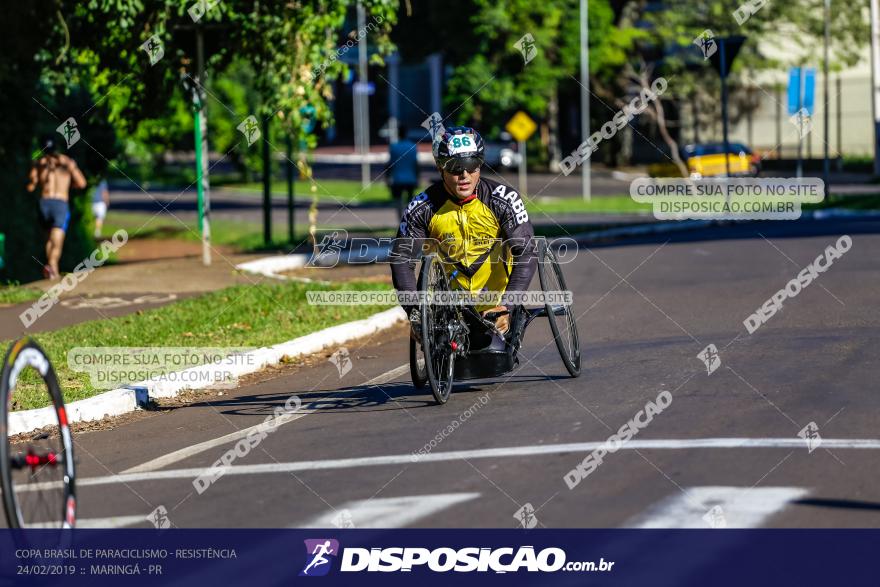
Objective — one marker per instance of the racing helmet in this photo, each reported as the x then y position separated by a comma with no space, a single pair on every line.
459,145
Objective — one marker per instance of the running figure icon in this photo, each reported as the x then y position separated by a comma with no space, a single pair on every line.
319,550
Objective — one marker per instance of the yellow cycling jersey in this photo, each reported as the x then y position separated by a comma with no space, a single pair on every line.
477,239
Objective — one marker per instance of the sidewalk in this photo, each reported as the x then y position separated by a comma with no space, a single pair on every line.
130,286
146,278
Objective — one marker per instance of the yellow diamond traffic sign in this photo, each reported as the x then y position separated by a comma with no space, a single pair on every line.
521,126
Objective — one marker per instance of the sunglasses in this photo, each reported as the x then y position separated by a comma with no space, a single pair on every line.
459,166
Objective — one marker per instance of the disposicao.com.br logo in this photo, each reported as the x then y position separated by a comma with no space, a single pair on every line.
322,551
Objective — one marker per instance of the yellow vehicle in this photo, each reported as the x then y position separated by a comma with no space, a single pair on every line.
708,160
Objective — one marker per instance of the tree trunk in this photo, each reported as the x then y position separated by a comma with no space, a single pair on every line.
553,148
660,117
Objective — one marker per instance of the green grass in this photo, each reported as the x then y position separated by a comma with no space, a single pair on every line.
14,293
867,202
243,315
348,192
328,190
244,236
617,204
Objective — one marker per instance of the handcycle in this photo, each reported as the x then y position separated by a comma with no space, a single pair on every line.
444,353
37,477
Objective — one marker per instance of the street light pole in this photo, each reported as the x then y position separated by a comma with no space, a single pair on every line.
875,79
204,188
362,97
585,95
826,164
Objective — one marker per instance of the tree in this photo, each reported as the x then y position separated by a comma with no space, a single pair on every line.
493,80
668,46
97,46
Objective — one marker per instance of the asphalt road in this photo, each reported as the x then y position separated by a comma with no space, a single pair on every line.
247,207
725,451
244,207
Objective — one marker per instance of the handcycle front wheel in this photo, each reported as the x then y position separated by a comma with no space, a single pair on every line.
417,368
562,322
438,342
37,477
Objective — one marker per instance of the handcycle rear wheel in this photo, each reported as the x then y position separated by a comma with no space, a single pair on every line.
37,478
562,322
438,344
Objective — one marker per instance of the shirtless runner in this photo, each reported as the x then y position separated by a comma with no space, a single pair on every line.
55,174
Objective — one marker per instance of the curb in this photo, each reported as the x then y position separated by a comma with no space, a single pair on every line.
124,400
832,213
682,225
641,230
270,266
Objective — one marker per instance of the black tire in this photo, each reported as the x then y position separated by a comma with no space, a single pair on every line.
417,366
439,356
417,370
565,330
50,464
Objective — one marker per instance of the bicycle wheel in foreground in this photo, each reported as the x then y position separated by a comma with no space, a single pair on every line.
37,475
562,322
438,320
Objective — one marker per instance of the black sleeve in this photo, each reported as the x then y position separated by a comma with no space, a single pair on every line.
518,234
523,248
411,235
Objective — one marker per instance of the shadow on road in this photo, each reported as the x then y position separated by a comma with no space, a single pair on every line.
849,504
385,397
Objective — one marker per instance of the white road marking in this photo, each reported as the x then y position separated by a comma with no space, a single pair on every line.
112,522
389,376
186,452
195,449
390,512
738,507
487,453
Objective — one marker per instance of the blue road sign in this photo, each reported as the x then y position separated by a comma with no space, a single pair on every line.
801,96
809,90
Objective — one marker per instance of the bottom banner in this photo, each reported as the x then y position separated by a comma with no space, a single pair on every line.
435,557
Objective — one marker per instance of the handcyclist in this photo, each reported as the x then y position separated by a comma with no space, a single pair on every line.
480,227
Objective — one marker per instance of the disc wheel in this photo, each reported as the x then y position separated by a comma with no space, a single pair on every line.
562,322
437,338
37,475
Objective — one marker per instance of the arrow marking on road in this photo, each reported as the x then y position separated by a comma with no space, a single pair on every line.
390,512
738,507
184,453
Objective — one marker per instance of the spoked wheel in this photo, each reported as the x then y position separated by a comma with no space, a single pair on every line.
439,322
417,365
562,322
37,475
